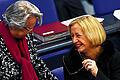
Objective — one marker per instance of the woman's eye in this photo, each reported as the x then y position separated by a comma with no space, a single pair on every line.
78,35
72,35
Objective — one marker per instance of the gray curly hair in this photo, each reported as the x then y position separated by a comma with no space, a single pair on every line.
17,13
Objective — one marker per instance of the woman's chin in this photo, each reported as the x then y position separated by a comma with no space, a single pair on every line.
80,50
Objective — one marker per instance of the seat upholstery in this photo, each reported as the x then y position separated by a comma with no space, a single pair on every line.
48,9
59,73
103,7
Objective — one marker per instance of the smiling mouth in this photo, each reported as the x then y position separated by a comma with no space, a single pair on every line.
79,46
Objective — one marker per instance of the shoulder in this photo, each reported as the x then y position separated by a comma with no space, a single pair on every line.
108,50
116,56
112,52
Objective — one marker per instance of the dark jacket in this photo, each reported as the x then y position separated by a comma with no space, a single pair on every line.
108,64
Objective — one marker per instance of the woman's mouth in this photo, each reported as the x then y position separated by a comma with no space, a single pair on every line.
79,46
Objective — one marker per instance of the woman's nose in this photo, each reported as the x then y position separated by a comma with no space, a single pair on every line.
75,40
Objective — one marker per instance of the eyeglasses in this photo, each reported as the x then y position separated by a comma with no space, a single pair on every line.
73,73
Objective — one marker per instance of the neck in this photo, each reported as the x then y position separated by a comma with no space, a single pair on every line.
93,53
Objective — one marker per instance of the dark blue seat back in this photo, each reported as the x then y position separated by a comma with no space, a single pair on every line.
59,73
48,9
4,5
103,7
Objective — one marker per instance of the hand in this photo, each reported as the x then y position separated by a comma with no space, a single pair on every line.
91,66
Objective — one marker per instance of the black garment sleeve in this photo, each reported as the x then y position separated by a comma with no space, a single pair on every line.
114,69
101,76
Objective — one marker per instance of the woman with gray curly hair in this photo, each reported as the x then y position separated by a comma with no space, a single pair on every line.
17,50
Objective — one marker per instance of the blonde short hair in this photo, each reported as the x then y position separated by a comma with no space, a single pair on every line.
92,29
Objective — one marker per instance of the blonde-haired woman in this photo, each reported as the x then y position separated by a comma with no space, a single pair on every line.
92,57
